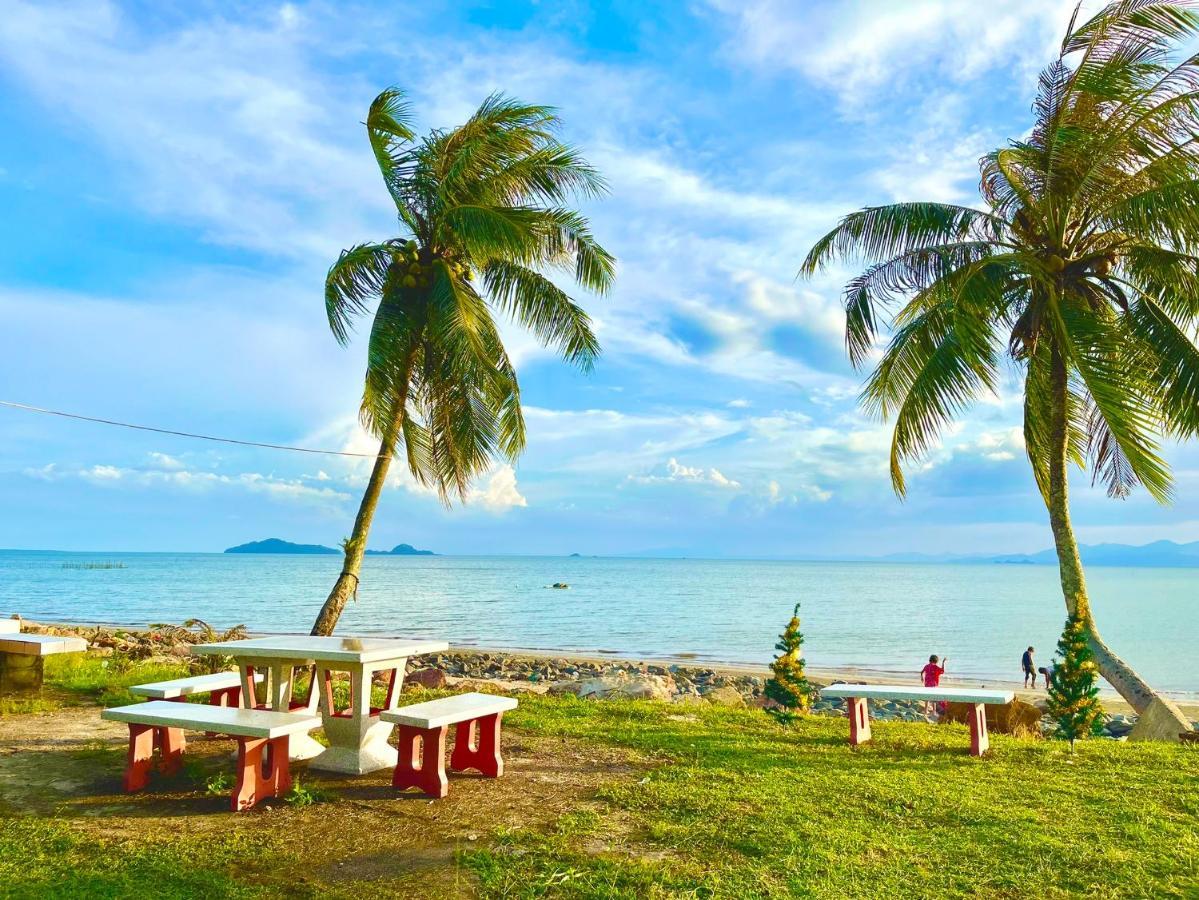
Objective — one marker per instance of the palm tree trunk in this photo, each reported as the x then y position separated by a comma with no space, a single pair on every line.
1131,686
346,585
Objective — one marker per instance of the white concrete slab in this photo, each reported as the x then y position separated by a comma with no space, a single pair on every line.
185,687
911,692
449,710
10,626
259,723
326,649
40,644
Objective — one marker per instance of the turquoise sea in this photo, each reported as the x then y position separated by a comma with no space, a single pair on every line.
886,616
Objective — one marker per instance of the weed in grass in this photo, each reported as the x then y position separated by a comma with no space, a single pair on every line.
219,784
300,795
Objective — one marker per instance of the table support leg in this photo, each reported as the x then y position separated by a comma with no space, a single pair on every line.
979,740
859,720
421,762
477,746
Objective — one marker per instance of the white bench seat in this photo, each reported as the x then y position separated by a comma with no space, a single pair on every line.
448,710
262,742
254,723
10,626
195,684
909,692
858,697
421,741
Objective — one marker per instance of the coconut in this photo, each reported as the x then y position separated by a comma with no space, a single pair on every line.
409,281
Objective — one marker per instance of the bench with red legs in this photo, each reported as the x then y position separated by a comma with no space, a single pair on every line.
222,688
261,735
858,697
422,733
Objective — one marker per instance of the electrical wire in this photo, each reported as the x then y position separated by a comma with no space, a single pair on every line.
185,434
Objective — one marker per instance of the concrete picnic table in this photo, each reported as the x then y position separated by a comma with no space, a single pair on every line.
357,736
22,656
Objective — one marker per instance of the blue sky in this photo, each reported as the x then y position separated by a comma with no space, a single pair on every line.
176,179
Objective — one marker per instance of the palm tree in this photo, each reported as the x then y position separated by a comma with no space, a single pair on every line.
483,216
1081,268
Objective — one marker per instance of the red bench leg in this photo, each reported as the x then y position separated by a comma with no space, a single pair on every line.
421,763
979,741
262,771
141,757
859,720
477,746
144,740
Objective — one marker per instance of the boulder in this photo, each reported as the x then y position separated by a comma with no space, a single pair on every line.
1162,720
433,679
1016,718
725,696
558,688
625,686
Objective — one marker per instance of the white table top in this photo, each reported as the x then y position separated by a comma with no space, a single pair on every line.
327,649
913,692
10,626
40,644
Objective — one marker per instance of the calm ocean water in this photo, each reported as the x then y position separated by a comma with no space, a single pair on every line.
877,615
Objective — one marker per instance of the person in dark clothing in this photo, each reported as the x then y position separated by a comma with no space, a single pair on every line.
1030,669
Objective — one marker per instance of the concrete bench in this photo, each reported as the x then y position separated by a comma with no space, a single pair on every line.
262,743
22,658
422,730
859,695
223,688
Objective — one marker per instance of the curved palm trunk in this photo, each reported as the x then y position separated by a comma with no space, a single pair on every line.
346,585
1131,686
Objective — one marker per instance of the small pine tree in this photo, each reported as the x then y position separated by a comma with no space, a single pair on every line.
1073,687
788,686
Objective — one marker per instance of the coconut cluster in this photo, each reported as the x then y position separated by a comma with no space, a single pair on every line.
415,266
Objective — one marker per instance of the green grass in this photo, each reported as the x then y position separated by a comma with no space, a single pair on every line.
741,808
105,680
715,802
48,858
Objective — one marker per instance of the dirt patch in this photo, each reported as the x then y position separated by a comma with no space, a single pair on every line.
68,764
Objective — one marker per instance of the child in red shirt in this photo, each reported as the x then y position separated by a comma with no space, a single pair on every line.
930,676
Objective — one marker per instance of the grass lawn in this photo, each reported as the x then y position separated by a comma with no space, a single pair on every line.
624,799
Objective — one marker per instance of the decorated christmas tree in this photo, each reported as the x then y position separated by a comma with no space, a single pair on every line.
788,686
1073,688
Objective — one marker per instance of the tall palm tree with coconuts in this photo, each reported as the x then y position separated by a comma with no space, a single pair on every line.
1081,268
485,216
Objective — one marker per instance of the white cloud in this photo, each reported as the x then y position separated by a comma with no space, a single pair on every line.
499,493
861,47
739,403
165,461
674,471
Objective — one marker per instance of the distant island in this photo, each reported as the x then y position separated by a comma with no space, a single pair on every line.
275,545
401,550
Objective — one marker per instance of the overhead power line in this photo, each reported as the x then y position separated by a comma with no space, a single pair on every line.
185,434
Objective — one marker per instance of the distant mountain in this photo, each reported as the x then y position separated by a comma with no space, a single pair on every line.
401,550
1159,553
274,545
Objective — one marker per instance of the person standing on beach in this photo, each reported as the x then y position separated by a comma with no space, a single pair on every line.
1030,670
930,676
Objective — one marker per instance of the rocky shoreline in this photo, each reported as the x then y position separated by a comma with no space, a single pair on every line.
594,679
